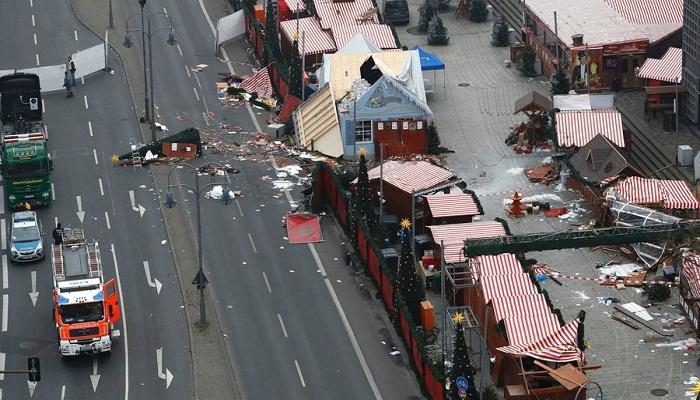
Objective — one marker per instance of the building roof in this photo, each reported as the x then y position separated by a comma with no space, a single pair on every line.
317,123
379,34
668,193
453,235
691,271
560,346
533,102
519,327
342,13
598,161
452,205
314,40
415,176
359,44
500,264
576,128
579,102
344,68
506,285
667,69
610,21
295,5
525,304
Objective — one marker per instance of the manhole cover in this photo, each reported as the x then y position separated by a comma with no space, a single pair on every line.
27,345
659,392
463,84
414,31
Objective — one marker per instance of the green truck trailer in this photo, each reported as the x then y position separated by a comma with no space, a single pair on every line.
26,167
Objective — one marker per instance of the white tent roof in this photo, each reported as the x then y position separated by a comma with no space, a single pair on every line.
359,44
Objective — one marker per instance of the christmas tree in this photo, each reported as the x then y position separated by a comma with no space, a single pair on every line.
560,82
462,374
478,11
363,194
526,64
499,34
433,139
437,33
295,72
272,42
425,15
408,283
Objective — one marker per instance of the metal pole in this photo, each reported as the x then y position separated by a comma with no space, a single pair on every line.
413,226
145,72
442,297
588,87
150,69
111,16
556,39
202,306
676,106
303,62
484,349
381,182
354,133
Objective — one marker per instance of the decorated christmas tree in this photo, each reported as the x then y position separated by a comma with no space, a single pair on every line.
363,193
462,373
272,42
433,139
560,82
408,283
425,15
437,33
478,11
526,64
499,34
295,72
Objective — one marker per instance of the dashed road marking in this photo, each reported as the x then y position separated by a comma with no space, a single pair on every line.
76,34
267,283
102,191
179,49
107,220
33,22
284,330
195,93
43,106
188,72
53,192
94,153
90,127
86,103
5,310
3,234
301,377
5,276
35,39
252,244
37,59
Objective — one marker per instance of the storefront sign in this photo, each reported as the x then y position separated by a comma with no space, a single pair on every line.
639,46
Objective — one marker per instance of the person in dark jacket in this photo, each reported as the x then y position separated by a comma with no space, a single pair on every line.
58,234
68,84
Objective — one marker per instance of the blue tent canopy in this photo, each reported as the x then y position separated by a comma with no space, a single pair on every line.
428,61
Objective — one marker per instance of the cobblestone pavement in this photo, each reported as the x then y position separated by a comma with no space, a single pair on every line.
474,121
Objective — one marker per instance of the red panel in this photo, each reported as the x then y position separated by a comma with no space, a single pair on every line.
303,228
405,332
341,209
417,359
413,137
374,267
434,387
362,243
387,292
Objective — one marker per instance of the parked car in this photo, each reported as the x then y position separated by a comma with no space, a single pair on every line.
396,12
26,241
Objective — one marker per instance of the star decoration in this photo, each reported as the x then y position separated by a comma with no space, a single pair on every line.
458,318
363,151
405,223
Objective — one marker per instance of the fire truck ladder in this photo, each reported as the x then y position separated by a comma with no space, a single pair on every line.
94,261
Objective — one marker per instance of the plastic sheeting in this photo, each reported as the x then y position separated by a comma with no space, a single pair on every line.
230,27
577,102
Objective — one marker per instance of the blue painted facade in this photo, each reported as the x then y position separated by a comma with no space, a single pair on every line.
384,101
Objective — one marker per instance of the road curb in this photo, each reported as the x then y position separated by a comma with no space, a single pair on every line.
213,369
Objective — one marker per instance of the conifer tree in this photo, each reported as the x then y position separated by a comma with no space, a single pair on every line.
295,73
408,283
272,51
462,373
363,194
425,15
560,82
499,34
433,139
526,64
478,11
437,33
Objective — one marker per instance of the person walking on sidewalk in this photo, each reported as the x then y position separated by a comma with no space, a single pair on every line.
68,84
71,68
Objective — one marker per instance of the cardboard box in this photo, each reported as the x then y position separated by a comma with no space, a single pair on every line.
427,315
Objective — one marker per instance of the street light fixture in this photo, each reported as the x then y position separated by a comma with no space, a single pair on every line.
147,32
197,190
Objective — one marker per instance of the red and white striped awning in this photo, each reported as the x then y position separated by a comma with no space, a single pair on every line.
691,271
529,328
512,306
416,176
343,13
506,285
258,83
576,128
501,264
560,346
670,194
453,235
314,39
452,205
295,5
667,69
649,12
378,34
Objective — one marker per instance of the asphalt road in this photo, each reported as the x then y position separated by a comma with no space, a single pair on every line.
84,132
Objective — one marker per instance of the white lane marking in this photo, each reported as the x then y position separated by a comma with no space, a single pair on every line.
37,59
197,79
55,221
46,131
35,39
90,127
228,64
34,295
43,106
166,375
133,200
195,93
33,22
267,283
188,72
107,220
31,3
252,244
53,192
5,310
284,330
165,11
5,277
94,153
125,337
102,191
2,366
3,234
63,392
80,212
179,49
76,34
301,377
86,103
2,197
240,210
154,283
82,80
95,377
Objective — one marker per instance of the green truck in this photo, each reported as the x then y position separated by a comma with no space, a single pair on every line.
26,167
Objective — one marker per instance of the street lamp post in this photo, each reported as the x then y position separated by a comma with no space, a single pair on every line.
147,32
111,16
170,202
